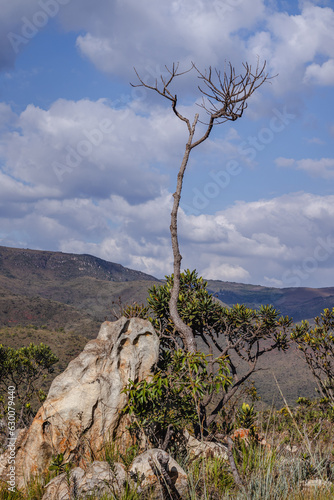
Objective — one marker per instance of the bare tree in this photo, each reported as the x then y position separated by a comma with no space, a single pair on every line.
224,99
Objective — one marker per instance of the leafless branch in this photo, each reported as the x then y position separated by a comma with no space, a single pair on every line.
230,92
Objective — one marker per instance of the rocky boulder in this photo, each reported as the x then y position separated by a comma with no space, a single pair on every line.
149,471
99,479
206,449
83,410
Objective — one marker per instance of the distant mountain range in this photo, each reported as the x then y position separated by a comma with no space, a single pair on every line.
74,293
90,285
298,303
66,290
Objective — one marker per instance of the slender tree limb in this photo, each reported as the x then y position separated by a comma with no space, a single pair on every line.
169,433
230,394
234,469
169,489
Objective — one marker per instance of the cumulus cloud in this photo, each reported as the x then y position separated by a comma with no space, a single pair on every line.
119,35
115,36
200,30
291,43
321,74
285,162
226,272
89,148
316,168
182,31
270,241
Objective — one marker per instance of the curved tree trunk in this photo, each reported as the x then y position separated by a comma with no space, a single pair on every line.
184,330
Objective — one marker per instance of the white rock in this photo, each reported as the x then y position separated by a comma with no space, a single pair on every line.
206,449
311,484
142,472
83,410
98,479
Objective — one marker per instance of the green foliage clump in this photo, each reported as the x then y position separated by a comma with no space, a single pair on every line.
196,305
58,465
246,416
175,395
239,335
24,369
317,345
240,327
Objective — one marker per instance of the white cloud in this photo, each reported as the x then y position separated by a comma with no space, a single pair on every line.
252,242
225,272
273,241
285,162
120,36
115,36
316,168
320,74
90,149
290,43
7,117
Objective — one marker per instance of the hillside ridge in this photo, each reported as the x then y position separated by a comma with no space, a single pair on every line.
91,285
14,261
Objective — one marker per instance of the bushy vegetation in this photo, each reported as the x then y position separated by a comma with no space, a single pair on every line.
24,369
235,338
317,345
278,470
273,453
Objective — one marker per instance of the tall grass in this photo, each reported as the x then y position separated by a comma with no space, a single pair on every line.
299,448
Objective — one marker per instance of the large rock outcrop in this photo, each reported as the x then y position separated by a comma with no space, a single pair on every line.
83,410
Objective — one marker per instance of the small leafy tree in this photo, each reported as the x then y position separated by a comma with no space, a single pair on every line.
173,398
24,368
193,388
196,306
239,335
317,346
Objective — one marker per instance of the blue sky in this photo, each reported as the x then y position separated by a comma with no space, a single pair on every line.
88,164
